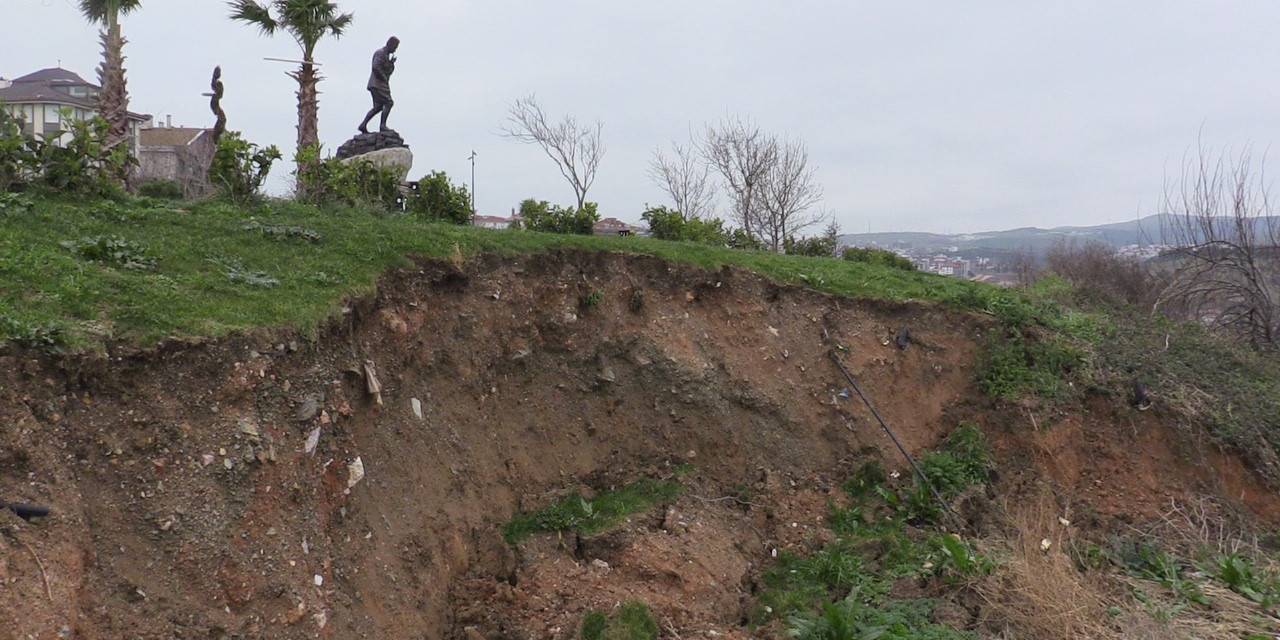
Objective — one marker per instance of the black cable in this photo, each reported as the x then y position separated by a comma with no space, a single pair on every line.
892,436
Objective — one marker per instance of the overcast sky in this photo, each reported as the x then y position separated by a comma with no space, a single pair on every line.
927,116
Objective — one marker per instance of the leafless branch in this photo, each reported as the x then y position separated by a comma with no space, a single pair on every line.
788,194
686,179
1226,241
575,147
743,155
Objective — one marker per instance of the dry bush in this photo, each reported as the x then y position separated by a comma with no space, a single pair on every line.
1097,269
1038,594
1043,595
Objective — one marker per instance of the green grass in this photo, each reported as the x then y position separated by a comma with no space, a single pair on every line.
845,589
632,621
588,517
214,268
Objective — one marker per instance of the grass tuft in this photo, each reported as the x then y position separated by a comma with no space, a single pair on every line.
588,517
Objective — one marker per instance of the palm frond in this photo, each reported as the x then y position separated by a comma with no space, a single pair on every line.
100,10
253,13
339,25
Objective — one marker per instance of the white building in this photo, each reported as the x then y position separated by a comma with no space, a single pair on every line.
42,99
491,222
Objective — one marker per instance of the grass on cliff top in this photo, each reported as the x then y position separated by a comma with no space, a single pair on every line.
78,275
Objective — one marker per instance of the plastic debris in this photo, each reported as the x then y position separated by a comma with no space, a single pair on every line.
355,473
371,382
313,440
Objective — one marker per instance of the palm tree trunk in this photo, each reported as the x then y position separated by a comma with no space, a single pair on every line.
113,99
308,106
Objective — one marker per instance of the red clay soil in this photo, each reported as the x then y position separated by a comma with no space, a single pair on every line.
186,506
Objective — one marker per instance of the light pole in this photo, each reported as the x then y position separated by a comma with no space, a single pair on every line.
472,158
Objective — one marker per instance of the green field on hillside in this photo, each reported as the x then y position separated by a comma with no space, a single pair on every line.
78,275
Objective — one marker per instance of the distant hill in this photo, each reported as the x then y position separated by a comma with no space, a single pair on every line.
1119,234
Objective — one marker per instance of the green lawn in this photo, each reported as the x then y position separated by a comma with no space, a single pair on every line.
142,271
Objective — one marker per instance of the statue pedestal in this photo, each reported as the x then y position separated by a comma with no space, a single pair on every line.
385,149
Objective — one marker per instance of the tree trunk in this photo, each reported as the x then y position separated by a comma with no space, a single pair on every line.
308,106
308,117
113,99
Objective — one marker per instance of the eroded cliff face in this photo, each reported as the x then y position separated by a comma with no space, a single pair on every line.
193,498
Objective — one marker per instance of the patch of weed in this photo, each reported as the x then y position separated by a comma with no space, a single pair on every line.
237,273
592,300
15,204
587,517
112,250
851,619
632,621
1013,366
284,231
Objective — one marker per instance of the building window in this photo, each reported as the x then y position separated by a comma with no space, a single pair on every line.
52,115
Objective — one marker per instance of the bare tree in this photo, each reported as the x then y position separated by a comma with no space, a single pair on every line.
1227,246
1025,268
787,195
742,154
575,147
685,178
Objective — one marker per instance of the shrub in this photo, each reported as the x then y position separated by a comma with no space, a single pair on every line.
355,184
439,199
83,164
878,257
18,157
544,216
669,224
240,167
740,239
817,246
1096,270
163,189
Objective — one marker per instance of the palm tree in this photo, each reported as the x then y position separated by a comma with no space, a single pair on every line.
113,99
307,21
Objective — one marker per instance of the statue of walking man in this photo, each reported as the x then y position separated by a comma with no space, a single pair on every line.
384,64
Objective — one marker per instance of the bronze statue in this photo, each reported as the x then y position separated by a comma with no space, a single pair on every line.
215,104
384,64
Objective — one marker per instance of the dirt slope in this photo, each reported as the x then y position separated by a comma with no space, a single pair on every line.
186,505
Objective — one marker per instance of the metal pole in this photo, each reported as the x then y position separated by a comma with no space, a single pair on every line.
473,186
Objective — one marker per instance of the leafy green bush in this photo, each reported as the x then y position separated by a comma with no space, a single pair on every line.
1014,365
823,246
112,250
163,189
336,182
740,239
633,621
669,224
439,199
540,215
240,167
82,164
18,158
880,257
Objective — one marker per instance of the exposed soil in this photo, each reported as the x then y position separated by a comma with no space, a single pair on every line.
186,506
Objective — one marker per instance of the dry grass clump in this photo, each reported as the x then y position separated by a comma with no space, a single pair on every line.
1039,593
